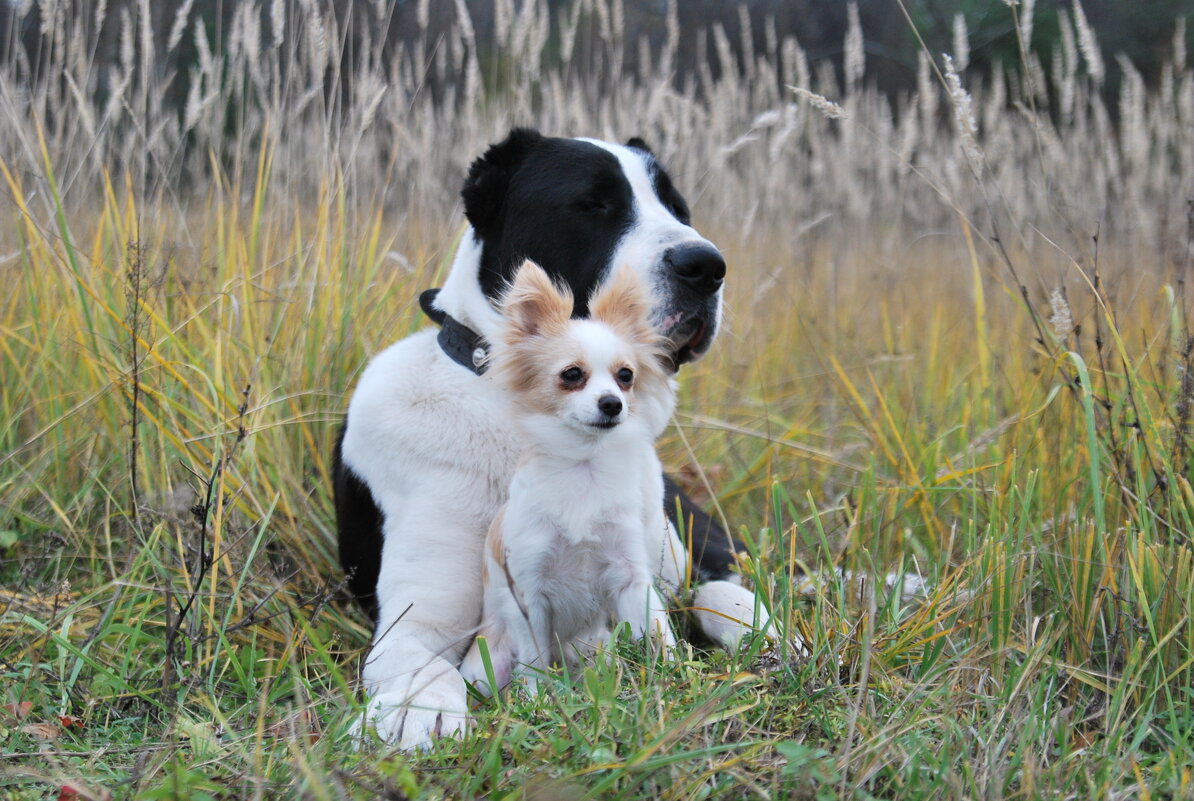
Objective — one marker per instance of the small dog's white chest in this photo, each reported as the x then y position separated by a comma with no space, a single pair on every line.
575,576
581,573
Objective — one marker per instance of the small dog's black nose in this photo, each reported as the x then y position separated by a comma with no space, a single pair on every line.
609,405
698,265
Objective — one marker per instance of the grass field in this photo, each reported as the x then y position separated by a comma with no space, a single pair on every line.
957,344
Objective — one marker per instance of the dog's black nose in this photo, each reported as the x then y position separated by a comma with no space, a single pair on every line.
698,265
609,405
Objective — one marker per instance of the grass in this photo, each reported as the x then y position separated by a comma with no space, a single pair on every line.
962,375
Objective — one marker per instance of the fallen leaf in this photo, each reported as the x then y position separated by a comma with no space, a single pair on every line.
71,792
302,721
42,731
70,722
736,678
17,710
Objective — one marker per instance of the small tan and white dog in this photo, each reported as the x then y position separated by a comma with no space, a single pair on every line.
574,550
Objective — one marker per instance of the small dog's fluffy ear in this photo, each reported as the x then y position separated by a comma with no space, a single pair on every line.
534,303
624,304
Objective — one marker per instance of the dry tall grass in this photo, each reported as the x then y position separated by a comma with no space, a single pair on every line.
957,341
390,142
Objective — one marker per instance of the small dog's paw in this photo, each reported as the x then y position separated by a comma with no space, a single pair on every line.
527,678
587,647
666,637
501,660
473,671
415,725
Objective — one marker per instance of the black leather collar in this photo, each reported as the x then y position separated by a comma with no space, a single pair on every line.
462,344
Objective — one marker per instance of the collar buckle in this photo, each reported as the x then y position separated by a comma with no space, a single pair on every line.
462,344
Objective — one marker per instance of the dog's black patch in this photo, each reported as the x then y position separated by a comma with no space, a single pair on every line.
711,549
358,521
562,203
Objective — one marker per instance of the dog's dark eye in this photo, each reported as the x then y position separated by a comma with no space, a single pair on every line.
625,376
572,376
594,205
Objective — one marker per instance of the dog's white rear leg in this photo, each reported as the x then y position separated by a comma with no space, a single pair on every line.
727,612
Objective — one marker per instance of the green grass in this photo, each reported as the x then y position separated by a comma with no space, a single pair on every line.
885,397
1053,656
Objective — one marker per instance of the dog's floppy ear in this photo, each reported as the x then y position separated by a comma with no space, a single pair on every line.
624,304
638,144
489,178
535,304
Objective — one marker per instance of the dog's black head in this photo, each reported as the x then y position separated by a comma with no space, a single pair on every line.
580,207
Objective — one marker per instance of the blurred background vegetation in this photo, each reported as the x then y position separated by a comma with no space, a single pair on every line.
957,342
1140,32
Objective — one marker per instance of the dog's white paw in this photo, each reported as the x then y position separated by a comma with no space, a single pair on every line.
415,724
727,612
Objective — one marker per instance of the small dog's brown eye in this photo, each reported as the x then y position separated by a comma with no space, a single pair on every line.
572,375
625,376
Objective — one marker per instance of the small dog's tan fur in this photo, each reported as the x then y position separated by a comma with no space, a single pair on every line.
538,310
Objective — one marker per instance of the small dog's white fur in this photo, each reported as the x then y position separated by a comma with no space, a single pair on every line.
572,550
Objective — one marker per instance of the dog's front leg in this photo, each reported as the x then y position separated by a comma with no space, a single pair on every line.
535,638
429,608
641,605
415,695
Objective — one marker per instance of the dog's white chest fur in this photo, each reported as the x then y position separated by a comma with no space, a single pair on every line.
575,533
421,404
570,555
458,455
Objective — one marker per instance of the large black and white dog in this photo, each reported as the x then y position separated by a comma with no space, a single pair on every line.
426,455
